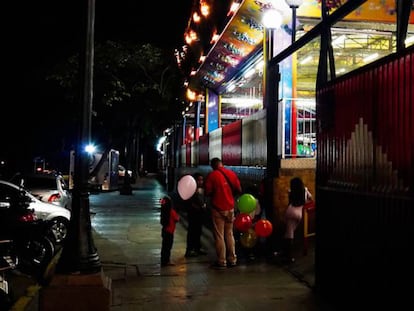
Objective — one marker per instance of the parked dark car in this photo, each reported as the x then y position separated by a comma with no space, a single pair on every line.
32,239
58,217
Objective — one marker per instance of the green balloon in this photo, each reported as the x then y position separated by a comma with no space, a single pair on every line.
246,203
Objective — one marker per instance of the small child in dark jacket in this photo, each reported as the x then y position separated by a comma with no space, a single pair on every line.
196,209
169,218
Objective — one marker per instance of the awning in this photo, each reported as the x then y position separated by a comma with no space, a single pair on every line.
242,36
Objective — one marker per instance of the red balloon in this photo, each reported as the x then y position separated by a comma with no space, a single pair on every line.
243,222
263,228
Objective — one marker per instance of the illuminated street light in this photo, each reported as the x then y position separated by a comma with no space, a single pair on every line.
90,148
272,19
294,5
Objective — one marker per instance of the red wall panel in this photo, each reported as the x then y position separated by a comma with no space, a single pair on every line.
231,143
203,150
367,132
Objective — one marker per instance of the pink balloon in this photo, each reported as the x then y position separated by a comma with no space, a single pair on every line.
186,187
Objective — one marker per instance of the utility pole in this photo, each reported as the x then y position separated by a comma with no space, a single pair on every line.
79,274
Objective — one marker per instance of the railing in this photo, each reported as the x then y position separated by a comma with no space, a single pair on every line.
299,133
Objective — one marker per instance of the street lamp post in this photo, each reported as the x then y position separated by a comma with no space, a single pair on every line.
79,274
79,254
272,19
294,5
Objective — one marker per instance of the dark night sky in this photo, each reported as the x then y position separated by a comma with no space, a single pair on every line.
40,34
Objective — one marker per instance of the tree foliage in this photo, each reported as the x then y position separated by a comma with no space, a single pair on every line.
136,88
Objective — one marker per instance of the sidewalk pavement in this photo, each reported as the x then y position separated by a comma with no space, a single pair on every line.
127,234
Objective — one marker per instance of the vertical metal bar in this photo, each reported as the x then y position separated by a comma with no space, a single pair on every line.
271,102
293,23
403,16
197,121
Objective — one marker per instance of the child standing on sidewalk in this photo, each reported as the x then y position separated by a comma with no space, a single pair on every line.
169,218
196,211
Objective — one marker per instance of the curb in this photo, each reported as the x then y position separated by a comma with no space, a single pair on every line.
29,301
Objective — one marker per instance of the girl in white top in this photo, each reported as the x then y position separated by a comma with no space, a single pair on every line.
298,195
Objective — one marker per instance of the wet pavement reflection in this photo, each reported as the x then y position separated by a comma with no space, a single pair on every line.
127,234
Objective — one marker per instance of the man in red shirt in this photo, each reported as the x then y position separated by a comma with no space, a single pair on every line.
221,184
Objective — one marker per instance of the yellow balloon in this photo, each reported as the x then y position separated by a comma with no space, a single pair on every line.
248,239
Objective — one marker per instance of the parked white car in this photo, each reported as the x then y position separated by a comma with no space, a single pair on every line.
57,215
51,188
